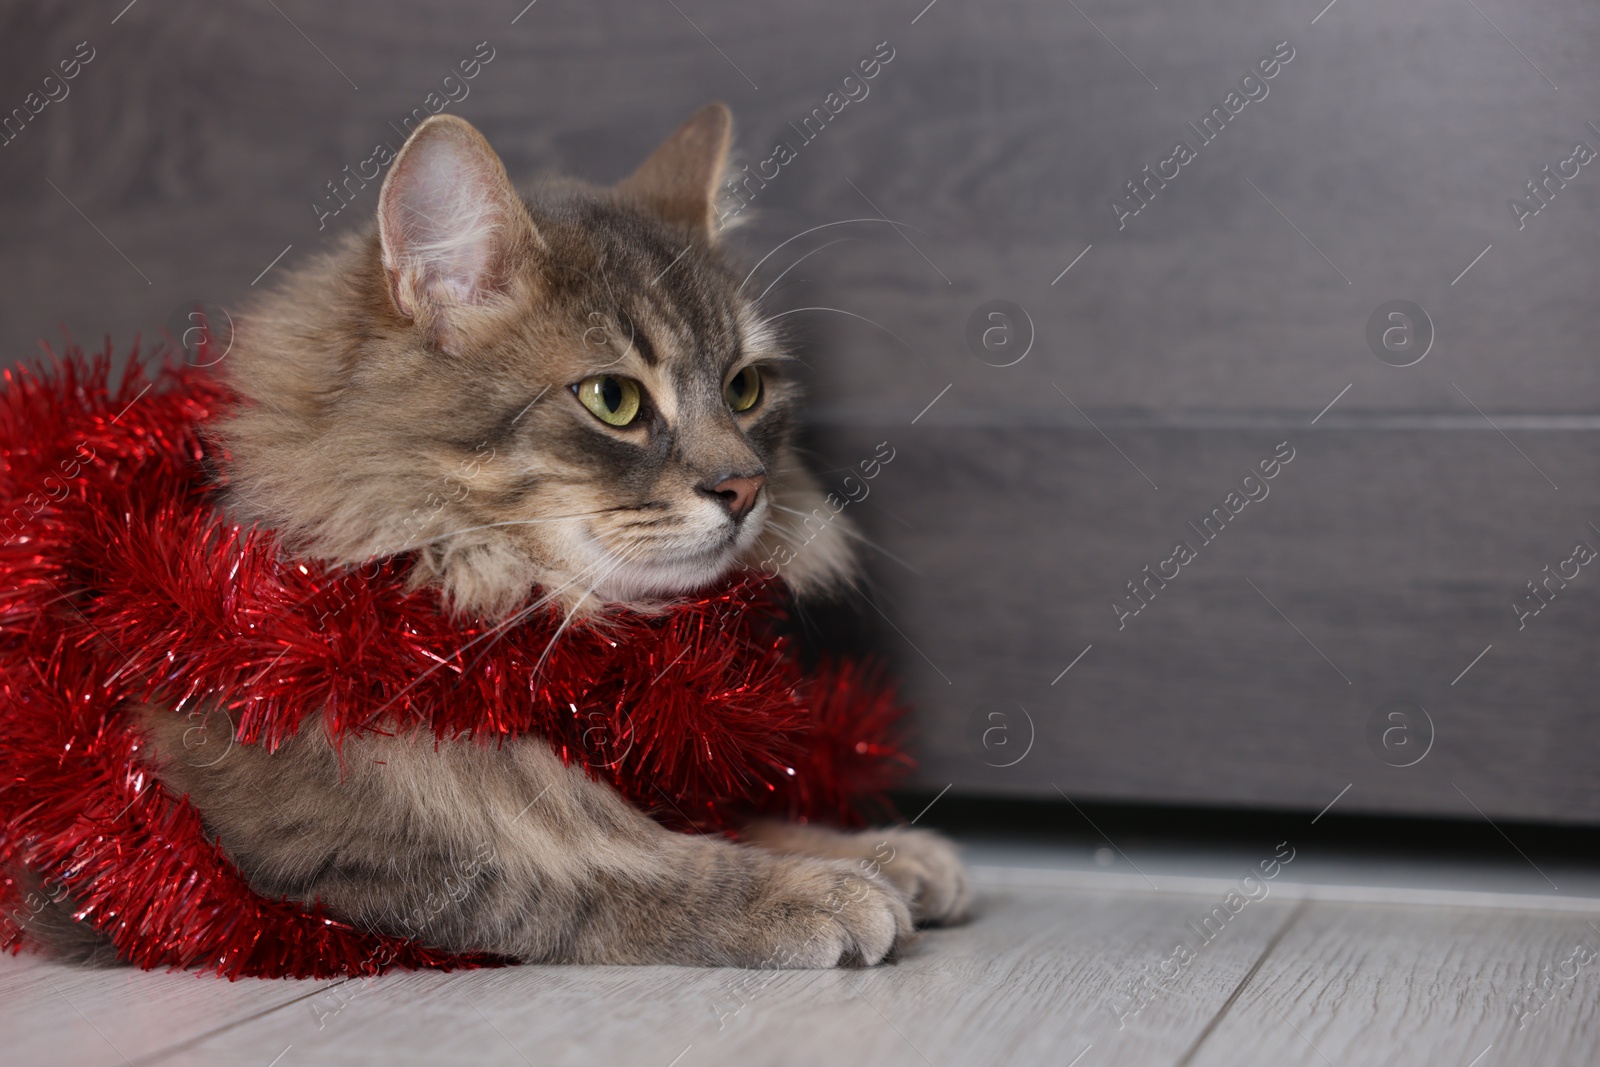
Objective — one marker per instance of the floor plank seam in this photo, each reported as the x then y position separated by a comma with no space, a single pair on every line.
157,1055
1216,1019
998,877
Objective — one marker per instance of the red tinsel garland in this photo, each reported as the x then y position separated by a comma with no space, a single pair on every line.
120,583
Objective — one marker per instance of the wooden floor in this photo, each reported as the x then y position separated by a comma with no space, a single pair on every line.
1347,967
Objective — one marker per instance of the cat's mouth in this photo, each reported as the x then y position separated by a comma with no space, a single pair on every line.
674,570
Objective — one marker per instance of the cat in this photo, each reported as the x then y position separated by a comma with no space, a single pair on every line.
568,394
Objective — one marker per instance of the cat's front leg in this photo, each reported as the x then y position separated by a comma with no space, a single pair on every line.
924,865
470,846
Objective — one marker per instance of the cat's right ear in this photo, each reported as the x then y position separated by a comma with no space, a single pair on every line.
452,226
678,182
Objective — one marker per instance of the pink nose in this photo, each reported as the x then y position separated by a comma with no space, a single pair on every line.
738,494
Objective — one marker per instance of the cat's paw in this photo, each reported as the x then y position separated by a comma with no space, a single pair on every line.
926,867
830,913
923,865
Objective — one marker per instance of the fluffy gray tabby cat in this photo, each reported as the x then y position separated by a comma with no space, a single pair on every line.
570,392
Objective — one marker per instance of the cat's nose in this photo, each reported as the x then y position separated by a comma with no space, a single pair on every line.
737,492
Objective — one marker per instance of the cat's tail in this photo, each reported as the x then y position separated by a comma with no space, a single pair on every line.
44,917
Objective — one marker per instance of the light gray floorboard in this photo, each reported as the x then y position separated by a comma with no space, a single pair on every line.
1408,985
62,1015
1039,978
1030,982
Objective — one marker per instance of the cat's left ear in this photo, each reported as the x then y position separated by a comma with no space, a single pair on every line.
679,180
452,226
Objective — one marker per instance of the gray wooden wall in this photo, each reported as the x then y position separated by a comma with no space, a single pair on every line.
1191,339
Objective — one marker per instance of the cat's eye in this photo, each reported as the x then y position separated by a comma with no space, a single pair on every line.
614,401
743,389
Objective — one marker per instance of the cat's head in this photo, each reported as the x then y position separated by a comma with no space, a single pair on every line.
572,392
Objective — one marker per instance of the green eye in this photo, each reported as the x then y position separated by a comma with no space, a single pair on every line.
743,390
614,401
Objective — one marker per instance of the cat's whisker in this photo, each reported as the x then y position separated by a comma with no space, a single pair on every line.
538,668
796,263
508,522
841,311
505,626
343,572
814,229
848,532
792,468
786,286
785,535
497,629
548,648
792,534
803,450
